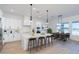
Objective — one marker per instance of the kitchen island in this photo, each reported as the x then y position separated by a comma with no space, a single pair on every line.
25,39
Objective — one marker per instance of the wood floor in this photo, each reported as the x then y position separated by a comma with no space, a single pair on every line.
13,48
59,47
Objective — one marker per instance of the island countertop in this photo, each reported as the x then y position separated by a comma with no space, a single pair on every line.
25,39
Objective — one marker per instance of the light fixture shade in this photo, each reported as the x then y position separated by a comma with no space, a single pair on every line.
30,4
31,12
47,16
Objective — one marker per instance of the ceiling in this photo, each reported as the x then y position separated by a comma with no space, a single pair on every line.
39,10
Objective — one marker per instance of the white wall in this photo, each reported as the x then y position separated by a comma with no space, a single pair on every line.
69,20
1,13
52,24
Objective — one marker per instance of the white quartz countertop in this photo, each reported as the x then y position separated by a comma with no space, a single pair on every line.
27,36
36,35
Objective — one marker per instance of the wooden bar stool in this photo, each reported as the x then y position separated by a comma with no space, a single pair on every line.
52,38
32,43
48,40
41,41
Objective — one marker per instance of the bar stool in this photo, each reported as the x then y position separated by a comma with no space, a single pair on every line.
52,38
32,43
48,40
41,41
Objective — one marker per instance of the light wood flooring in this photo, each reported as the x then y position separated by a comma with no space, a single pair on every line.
59,47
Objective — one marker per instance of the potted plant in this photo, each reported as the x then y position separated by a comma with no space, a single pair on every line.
49,30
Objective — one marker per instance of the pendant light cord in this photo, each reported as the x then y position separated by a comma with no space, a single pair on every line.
30,12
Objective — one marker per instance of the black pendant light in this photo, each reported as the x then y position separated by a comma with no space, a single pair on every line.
47,17
31,12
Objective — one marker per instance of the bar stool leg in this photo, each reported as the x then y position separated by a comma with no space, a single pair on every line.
48,41
30,46
52,40
45,42
36,45
40,43
33,44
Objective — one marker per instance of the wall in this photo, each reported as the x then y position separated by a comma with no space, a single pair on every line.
52,24
69,20
1,13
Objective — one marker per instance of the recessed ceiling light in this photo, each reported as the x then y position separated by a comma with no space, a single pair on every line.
12,10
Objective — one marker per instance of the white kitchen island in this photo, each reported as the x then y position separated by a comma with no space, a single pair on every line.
25,39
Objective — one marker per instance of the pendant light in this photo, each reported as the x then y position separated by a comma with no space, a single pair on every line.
47,17
30,12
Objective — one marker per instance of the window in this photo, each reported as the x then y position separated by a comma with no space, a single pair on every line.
75,28
58,27
64,27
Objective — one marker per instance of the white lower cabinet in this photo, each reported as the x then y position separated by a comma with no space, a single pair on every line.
10,37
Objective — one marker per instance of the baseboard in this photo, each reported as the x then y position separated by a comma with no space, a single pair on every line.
11,41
